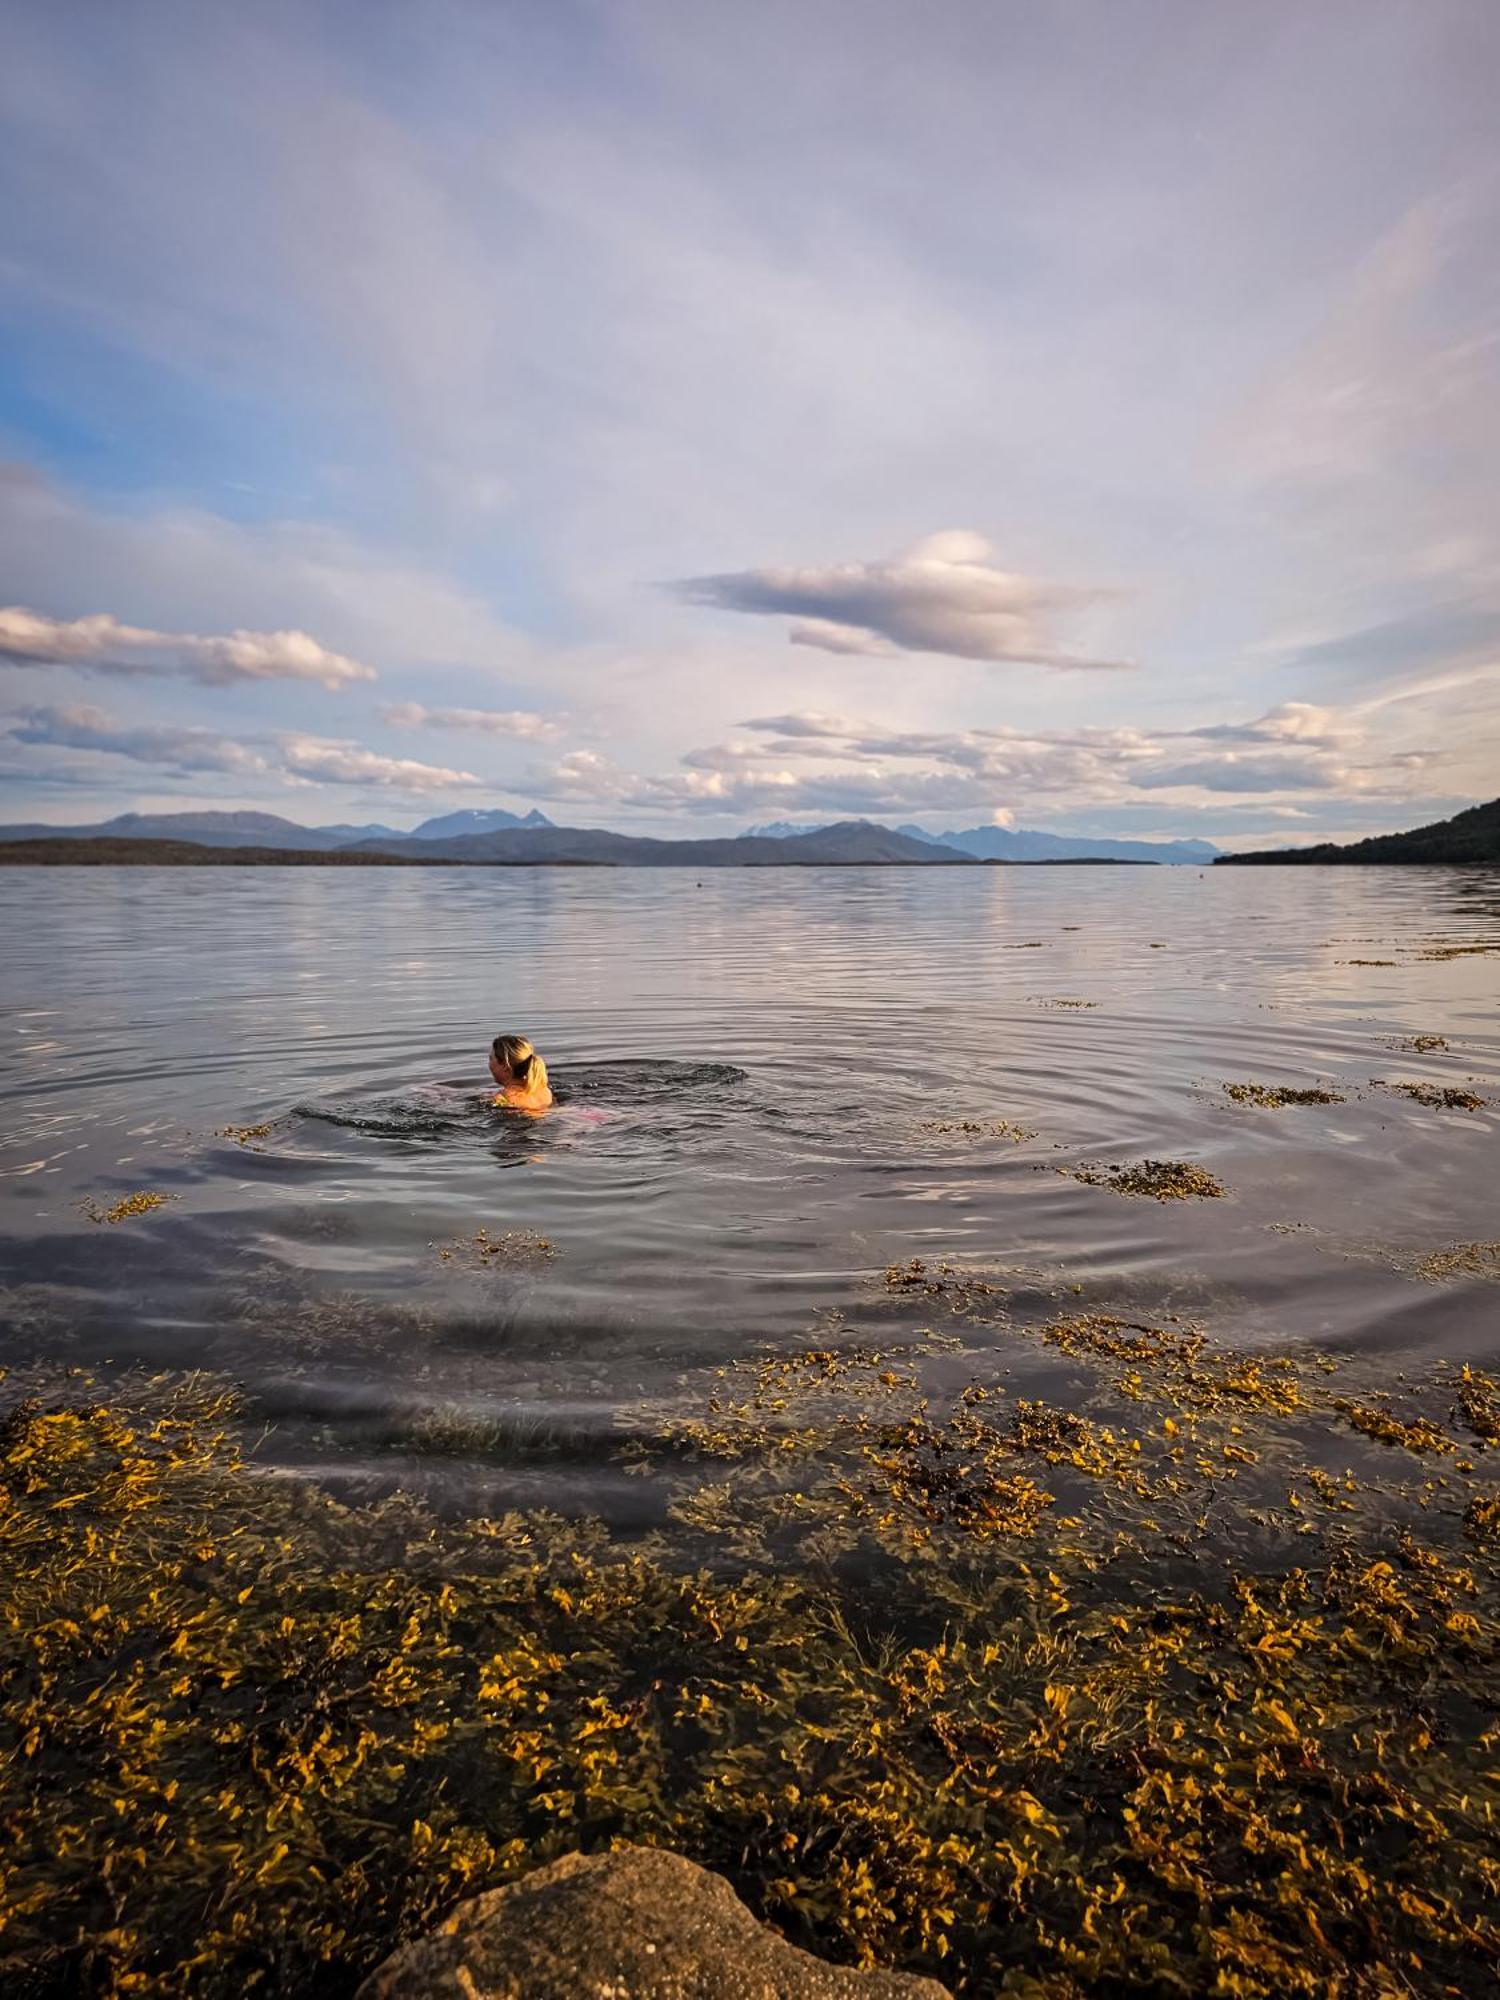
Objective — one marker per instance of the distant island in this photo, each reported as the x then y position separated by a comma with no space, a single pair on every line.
489,839
1470,839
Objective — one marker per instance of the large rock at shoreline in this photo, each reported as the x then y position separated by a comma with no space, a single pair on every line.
638,1924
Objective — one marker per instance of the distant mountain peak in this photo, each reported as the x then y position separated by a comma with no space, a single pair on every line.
475,819
783,829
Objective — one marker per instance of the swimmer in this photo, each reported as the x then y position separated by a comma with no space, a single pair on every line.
520,1073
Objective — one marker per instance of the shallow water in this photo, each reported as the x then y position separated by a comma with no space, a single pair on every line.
750,1067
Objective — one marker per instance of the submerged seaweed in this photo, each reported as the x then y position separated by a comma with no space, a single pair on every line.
1139,1697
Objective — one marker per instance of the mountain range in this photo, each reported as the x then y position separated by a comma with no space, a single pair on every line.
1000,843
853,844
259,829
493,834
453,835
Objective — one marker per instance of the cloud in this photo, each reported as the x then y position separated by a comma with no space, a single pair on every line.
80,726
289,756
101,644
1290,722
1232,772
942,596
319,760
1443,634
810,761
369,601
519,722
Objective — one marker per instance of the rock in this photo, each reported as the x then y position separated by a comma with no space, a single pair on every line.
640,1923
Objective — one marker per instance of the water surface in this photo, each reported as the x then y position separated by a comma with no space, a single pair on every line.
755,1070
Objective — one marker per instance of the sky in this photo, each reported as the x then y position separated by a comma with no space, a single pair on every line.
679,415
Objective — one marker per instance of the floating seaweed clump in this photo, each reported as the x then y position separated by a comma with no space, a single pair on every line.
246,1135
1160,1180
1420,1045
991,1692
140,1203
1439,1096
1044,1001
514,1246
1271,1096
1462,1260
990,1128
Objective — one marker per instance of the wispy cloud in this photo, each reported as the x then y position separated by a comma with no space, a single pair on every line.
80,726
101,644
319,760
287,755
944,595
523,723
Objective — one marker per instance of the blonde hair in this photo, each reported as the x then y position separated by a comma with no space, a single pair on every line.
521,1059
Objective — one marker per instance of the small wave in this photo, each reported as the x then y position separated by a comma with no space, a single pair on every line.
645,1081
453,1107
411,1118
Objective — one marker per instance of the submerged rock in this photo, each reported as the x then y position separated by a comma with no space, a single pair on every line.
641,1923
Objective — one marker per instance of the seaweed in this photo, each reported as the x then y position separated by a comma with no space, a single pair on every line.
1479,1403
1272,1096
246,1135
983,1687
1461,1260
512,1247
1438,1096
1158,1180
1417,1434
960,1291
143,1202
992,1128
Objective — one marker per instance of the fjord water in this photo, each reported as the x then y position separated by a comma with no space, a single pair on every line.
774,1085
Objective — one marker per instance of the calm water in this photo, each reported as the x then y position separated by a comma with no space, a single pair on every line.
751,1065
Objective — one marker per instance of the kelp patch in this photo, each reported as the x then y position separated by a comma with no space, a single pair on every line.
1273,1096
1136,1696
144,1202
1461,1260
248,1136
1155,1180
510,1248
1438,1096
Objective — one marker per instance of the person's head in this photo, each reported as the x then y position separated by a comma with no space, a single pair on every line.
514,1061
